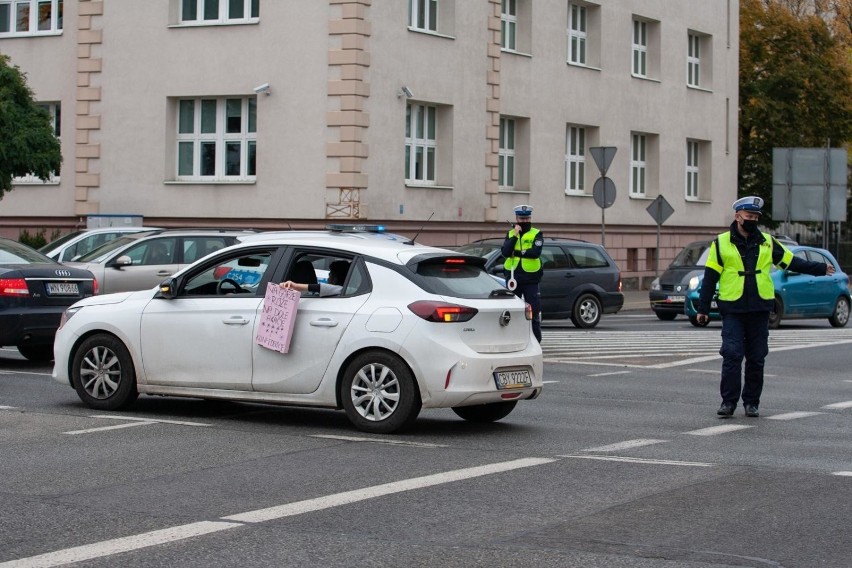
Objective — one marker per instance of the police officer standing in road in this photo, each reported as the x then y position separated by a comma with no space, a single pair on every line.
522,249
739,261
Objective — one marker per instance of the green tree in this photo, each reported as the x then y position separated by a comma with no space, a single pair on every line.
27,142
795,89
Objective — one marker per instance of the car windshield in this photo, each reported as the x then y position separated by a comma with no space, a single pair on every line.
459,280
102,251
692,255
60,241
16,253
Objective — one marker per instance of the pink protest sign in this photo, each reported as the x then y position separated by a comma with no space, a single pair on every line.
277,318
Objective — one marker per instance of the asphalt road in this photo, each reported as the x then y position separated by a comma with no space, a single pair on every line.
621,462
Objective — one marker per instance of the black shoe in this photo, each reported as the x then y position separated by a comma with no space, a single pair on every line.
751,410
727,409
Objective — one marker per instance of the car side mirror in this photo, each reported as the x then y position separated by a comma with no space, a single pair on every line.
123,260
167,289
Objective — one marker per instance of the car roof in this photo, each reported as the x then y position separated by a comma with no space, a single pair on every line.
557,240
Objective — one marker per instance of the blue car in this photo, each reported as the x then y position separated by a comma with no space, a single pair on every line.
796,295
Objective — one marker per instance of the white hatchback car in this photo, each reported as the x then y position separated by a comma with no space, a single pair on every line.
413,327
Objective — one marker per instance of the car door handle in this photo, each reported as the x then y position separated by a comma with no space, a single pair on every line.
324,322
164,273
236,320
569,275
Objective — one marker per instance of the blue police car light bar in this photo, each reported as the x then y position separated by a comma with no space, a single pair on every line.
345,228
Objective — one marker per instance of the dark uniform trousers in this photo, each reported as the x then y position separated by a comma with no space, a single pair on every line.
531,294
744,335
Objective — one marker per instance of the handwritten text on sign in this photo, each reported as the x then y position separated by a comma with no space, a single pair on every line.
277,318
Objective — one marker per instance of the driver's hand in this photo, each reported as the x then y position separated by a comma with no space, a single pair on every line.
829,269
517,230
703,318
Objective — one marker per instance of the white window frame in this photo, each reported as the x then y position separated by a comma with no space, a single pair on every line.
247,139
693,172
693,60
9,11
577,33
55,111
639,63
423,15
251,12
506,154
638,164
509,24
421,144
575,160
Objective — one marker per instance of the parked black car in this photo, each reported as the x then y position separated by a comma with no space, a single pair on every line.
668,292
580,280
34,292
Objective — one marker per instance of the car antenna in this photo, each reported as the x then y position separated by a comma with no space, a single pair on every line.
411,242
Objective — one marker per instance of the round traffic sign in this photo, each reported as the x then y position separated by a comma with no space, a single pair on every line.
604,192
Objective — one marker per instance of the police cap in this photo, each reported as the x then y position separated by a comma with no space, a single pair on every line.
751,203
523,211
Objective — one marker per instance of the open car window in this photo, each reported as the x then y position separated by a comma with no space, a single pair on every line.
236,275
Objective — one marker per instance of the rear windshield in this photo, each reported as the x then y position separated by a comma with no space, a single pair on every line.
59,242
691,255
12,252
459,280
103,250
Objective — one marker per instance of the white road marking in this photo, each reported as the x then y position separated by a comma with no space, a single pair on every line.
378,441
792,415
714,430
178,422
7,408
119,545
549,382
639,460
715,372
25,373
103,428
843,473
839,405
611,373
625,445
347,497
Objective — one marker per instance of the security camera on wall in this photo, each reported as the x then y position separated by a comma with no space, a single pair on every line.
262,89
407,92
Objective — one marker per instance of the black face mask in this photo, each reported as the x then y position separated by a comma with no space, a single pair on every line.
749,225
525,226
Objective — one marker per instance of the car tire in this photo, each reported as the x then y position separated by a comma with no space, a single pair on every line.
102,373
379,393
486,412
840,316
666,316
37,353
776,314
694,321
587,311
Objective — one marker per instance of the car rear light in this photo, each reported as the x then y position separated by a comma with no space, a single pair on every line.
442,312
95,288
619,281
15,287
528,312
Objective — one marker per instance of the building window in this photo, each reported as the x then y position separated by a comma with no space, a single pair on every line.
640,48
692,171
30,17
423,15
507,154
575,160
208,12
421,143
509,24
55,112
577,34
699,64
693,61
217,139
638,165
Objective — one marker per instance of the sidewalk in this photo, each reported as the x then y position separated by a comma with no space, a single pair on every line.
636,300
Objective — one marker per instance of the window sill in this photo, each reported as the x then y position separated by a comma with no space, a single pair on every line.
640,77
582,66
696,88
411,185
693,200
429,32
641,197
210,182
513,191
203,24
515,52
570,193
13,35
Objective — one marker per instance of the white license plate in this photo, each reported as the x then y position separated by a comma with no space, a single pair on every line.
63,289
676,299
512,379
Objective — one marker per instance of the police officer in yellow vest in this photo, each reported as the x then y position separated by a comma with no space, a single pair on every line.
739,261
522,249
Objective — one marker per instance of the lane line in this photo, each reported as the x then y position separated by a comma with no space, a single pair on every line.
25,373
549,382
843,473
377,441
161,421
839,405
625,445
354,496
793,415
640,460
8,408
104,428
611,373
715,430
714,372
119,545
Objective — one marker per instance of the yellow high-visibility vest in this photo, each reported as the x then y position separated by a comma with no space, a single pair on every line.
725,259
525,242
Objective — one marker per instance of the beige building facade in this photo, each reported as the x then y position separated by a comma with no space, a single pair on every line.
274,114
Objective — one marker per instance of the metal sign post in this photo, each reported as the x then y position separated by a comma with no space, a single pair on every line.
604,188
660,210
